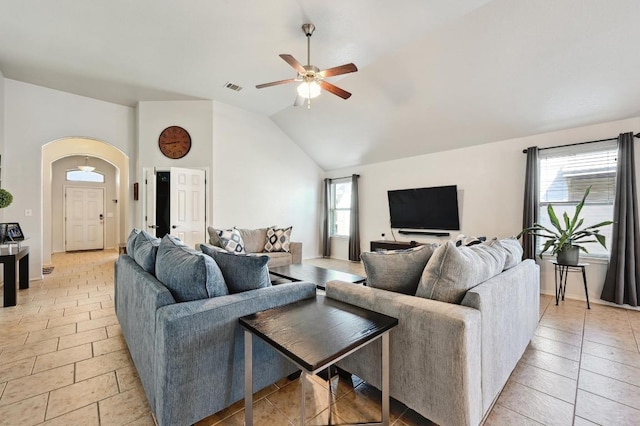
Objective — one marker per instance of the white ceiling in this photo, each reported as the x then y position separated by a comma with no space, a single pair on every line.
433,74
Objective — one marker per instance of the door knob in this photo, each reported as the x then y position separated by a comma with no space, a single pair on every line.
154,226
101,216
174,226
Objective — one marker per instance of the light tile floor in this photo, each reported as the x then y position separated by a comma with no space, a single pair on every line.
63,361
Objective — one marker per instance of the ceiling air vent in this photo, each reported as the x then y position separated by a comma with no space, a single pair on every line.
232,86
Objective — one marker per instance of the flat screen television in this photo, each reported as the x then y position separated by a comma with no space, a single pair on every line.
425,208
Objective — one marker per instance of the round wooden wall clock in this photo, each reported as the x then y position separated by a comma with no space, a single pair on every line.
174,142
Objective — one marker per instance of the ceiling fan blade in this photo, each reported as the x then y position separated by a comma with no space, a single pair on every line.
275,83
299,101
334,89
293,62
342,69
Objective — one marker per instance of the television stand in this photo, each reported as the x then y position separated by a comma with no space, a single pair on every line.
430,233
382,245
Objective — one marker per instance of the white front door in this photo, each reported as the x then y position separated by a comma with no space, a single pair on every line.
84,218
150,201
188,200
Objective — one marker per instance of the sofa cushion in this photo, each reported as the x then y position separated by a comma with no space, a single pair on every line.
145,248
188,274
452,271
230,240
512,249
278,239
131,241
241,272
279,258
397,271
253,239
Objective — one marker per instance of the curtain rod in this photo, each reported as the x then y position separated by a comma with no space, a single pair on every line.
637,135
343,177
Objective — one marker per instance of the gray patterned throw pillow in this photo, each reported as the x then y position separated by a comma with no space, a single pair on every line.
230,240
278,239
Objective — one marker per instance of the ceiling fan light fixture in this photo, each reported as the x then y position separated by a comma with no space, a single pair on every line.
309,90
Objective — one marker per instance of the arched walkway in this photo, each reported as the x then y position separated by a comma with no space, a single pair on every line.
66,147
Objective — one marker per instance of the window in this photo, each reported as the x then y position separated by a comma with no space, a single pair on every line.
566,173
340,208
80,176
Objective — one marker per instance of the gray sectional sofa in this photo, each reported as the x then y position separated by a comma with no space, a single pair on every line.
449,361
189,354
254,242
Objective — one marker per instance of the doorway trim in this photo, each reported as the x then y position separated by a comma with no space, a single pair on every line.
70,146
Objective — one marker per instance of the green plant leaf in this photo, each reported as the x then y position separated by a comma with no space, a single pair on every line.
578,225
546,247
567,224
554,218
599,225
579,206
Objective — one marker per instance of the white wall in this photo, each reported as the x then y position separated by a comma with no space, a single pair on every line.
58,185
262,178
153,117
36,115
490,181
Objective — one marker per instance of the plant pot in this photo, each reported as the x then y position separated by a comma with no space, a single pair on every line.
569,256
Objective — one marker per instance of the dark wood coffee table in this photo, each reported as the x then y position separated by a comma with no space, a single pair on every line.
314,274
314,334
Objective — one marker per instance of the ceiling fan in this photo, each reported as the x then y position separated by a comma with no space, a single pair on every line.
311,79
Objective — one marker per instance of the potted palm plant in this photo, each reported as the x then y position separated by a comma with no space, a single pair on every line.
568,237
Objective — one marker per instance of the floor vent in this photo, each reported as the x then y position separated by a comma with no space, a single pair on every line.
232,86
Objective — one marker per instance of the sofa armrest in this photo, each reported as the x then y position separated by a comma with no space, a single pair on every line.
200,352
295,248
138,295
509,304
434,353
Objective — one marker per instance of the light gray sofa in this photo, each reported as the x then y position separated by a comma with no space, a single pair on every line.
190,355
254,242
449,362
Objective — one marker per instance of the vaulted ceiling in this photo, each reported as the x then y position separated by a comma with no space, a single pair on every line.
433,74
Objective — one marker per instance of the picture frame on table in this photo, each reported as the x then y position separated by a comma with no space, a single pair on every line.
14,232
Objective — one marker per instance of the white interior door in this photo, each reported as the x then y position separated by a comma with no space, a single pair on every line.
150,201
84,218
188,198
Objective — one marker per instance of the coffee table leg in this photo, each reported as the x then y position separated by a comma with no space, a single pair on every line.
330,392
303,378
385,379
248,379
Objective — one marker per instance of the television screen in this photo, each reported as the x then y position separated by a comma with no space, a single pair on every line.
425,208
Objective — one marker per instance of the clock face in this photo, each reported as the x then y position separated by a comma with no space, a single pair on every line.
174,142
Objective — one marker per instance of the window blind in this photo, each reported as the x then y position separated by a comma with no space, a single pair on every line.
565,174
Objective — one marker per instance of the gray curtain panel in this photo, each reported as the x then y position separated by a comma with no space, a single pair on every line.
622,283
354,222
326,243
531,200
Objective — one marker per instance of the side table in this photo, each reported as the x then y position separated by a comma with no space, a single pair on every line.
314,334
9,256
561,271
